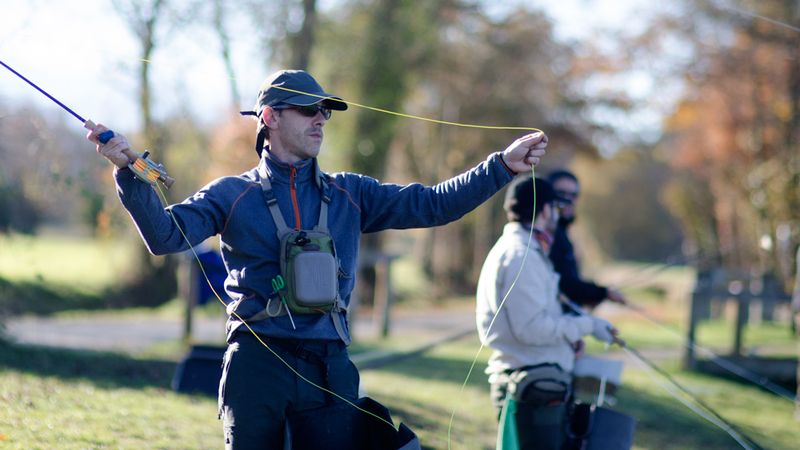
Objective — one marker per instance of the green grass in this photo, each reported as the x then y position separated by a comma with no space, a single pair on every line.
662,422
422,392
71,399
82,263
46,274
78,400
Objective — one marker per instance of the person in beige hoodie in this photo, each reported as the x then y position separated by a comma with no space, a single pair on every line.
519,316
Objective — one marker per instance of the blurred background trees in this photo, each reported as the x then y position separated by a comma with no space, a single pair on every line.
714,182
734,134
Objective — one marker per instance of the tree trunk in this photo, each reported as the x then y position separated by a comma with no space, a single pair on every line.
225,50
154,280
302,42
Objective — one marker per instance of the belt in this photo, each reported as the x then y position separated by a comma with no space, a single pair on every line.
306,349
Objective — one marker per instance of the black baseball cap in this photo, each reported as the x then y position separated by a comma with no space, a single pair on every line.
519,200
290,87
294,87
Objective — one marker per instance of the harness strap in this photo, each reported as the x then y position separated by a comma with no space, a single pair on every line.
275,211
268,311
272,202
325,191
339,311
338,318
267,314
338,314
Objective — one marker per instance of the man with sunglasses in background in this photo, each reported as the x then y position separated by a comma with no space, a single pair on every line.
562,254
289,235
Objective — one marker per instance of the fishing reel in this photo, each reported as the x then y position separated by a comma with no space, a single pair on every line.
145,169
150,171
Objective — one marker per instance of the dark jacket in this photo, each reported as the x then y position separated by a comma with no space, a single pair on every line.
234,208
562,254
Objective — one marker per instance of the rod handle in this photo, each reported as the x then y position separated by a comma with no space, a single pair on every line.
145,169
103,137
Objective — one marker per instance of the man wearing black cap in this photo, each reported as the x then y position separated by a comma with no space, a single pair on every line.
289,235
519,316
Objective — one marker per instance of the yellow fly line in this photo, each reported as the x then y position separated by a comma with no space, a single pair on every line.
299,375
409,116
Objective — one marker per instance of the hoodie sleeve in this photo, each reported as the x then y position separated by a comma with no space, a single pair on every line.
528,310
199,216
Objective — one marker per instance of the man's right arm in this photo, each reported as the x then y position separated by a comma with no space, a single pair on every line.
582,292
527,308
197,217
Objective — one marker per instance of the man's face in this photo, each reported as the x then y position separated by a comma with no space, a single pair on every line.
550,217
570,190
298,132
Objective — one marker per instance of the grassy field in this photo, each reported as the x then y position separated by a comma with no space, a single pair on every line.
82,262
58,399
55,398
423,392
46,274
83,400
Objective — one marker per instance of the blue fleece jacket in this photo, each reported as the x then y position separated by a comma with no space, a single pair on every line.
234,208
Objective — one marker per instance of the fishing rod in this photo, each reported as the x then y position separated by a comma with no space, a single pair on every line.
144,168
721,361
726,364
740,437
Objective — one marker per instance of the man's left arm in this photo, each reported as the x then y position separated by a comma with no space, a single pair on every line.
386,206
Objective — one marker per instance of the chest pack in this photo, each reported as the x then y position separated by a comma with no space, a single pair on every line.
308,258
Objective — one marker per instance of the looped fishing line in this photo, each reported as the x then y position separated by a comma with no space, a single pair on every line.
499,307
698,407
702,409
408,116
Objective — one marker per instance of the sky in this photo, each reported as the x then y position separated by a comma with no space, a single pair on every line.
82,53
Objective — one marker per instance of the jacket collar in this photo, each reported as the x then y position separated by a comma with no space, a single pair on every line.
279,171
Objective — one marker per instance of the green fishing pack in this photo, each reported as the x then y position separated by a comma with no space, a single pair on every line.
311,269
308,258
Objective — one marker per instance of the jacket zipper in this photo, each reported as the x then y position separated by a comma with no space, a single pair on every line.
293,189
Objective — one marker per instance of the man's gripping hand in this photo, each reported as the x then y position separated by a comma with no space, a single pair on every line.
525,152
116,150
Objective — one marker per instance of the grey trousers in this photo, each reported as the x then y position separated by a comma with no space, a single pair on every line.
258,391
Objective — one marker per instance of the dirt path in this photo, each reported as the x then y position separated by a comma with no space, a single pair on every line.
133,334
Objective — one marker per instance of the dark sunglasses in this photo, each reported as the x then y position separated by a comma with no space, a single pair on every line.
308,110
569,195
561,204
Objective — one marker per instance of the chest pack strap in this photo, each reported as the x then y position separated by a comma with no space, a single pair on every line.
275,210
339,311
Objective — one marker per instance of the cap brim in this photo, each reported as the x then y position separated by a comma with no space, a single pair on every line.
327,100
